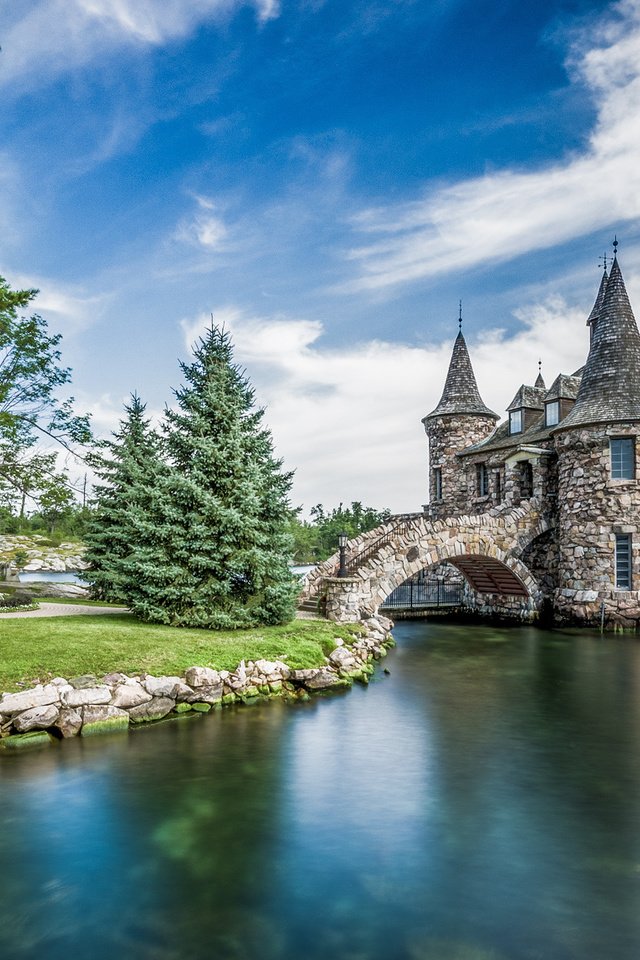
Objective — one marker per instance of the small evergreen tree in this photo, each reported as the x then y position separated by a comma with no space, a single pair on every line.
211,546
126,467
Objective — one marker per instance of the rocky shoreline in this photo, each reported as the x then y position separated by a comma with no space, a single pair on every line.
84,706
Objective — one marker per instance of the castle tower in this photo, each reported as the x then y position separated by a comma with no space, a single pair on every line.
597,445
460,419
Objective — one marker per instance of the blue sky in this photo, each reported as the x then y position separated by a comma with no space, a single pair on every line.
329,179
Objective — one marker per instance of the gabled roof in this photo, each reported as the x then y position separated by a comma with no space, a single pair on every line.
563,388
461,394
610,386
530,397
540,384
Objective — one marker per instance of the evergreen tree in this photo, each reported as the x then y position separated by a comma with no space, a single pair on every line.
126,467
212,549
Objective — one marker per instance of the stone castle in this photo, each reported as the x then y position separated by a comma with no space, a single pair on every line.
571,450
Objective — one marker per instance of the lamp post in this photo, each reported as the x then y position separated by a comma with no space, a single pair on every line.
342,546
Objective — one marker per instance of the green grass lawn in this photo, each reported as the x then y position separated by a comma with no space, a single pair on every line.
35,650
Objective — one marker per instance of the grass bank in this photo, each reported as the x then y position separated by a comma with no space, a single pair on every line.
35,650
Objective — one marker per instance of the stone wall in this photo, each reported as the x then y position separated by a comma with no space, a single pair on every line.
85,705
592,508
448,435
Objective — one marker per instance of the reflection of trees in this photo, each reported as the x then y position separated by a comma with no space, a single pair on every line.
207,812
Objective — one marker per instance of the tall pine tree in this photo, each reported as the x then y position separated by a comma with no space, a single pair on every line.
127,467
211,547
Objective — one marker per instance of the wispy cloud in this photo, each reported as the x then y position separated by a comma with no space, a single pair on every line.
205,228
505,214
45,38
349,419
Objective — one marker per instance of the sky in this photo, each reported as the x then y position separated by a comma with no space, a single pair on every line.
329,179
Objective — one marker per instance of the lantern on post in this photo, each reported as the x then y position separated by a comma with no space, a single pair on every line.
342,546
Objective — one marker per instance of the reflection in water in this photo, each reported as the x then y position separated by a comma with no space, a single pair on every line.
480,803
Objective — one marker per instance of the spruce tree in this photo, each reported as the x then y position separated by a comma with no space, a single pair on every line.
127,467
212,548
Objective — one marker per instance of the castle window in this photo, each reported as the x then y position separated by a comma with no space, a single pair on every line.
497,486
515,421
623,561
482,479
526,480
437,483
623,465
552,413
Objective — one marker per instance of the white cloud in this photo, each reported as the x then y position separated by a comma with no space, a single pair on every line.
72,309
45,38
205,228
508,213
348,419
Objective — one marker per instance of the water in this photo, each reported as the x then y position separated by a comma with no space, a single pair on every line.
51,576
481,802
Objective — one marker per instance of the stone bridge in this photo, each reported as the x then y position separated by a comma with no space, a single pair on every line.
487,549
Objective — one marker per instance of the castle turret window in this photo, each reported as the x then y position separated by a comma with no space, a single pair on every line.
623,561
482,479
623,466
515,421
526,480
552,413
437,483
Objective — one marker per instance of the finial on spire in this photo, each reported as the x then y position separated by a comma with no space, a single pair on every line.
602,261
460,318
615,246
540,367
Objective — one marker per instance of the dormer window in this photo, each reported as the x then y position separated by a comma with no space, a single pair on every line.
515,421
551,413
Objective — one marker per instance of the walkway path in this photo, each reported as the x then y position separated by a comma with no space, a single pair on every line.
76,609
64,610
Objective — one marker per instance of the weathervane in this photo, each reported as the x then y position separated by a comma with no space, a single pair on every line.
460,318
602,261
615,246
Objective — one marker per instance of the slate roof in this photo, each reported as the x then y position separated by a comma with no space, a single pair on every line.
461,394
564,387
540,382
597,307
530,397
610,386
501,439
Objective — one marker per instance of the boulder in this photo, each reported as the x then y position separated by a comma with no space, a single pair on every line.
164,686
323,679
69,722
129,694
40,696
155,709
38,718
103,719
87,696
204,694
202,676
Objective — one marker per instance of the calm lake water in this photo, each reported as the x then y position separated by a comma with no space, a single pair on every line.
481,802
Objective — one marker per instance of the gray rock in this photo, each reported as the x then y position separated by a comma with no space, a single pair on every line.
155,709
87,696
40,696
324,678
129,694
202,676
163,686
69,722
103,719
38,718
204,694
84,681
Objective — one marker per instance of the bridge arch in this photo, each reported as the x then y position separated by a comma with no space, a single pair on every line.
487,568
486,549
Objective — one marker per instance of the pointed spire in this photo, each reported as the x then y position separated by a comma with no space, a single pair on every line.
461,394
610,386
540,384
597,307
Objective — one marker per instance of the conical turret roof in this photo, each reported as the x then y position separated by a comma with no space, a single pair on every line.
610,386
597,307
461,394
